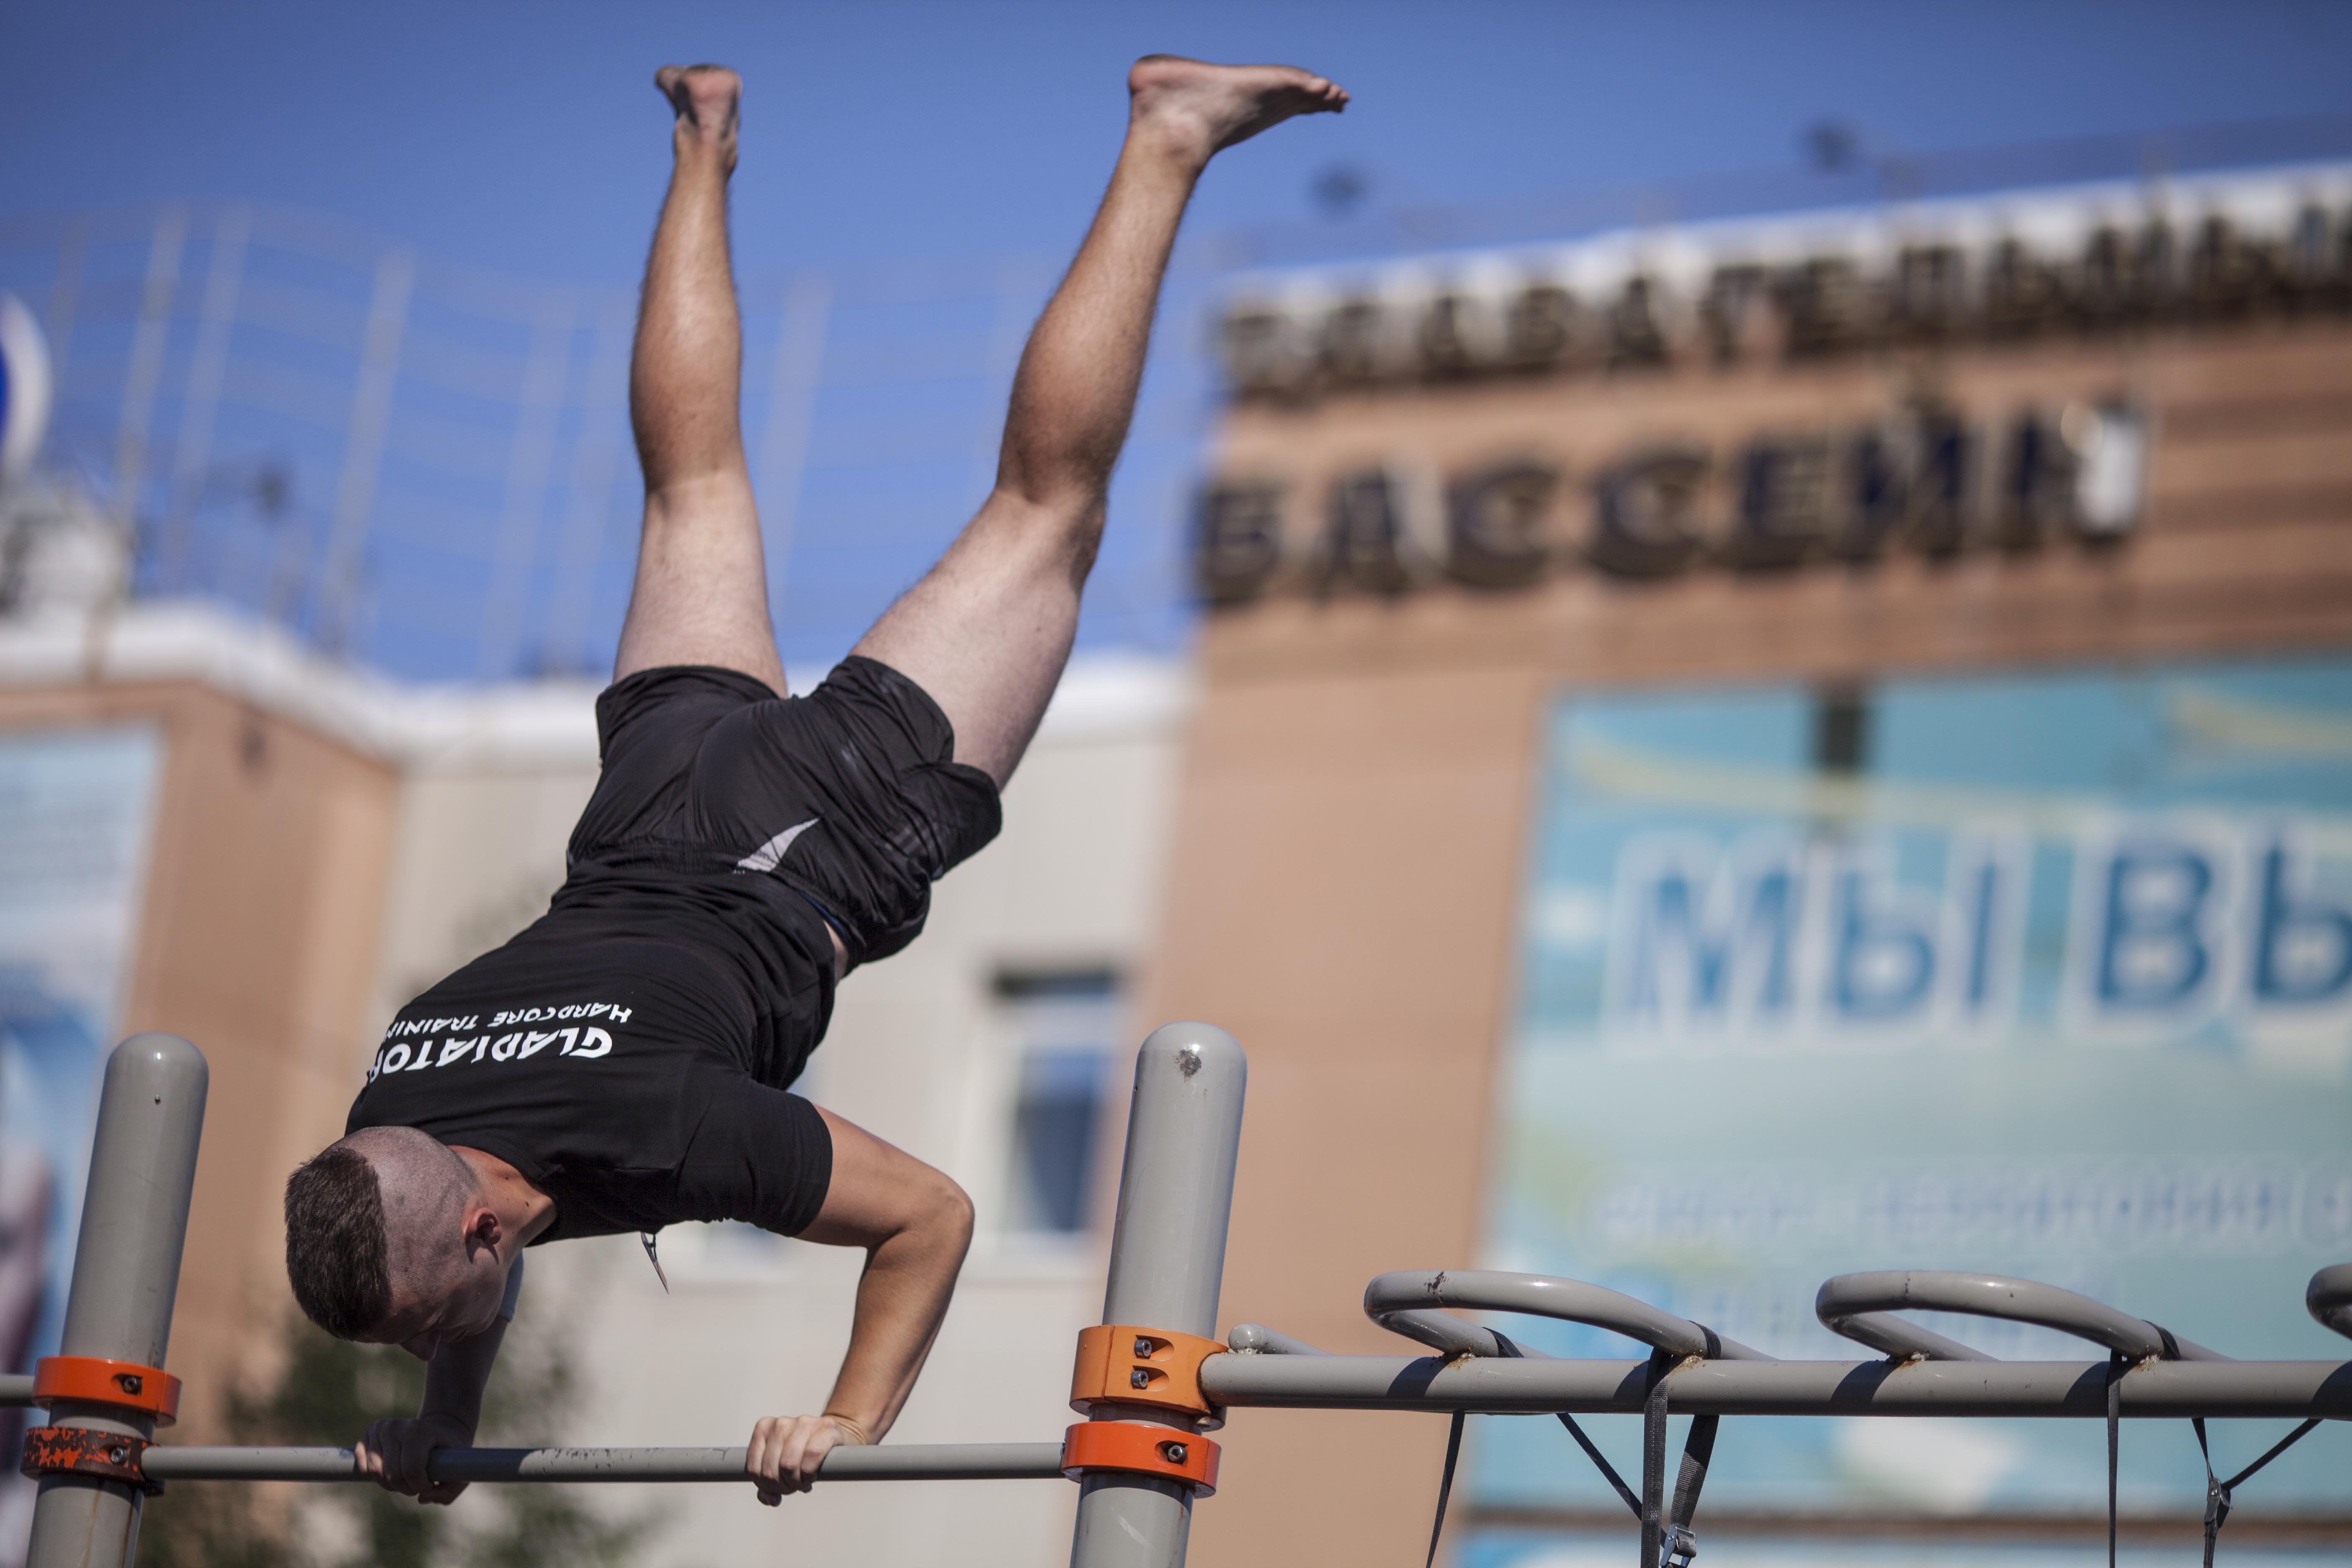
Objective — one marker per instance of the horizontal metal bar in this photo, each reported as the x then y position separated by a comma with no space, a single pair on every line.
2289,1389
885,1462
16,1388
1878,1522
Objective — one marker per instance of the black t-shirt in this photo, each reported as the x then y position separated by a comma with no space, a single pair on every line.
629,1053
604,1069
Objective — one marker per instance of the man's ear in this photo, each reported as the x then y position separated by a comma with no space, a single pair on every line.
482,1227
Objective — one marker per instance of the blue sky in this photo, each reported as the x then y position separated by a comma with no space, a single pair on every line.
525,137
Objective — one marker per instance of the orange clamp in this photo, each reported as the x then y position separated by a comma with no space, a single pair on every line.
1140,1447
76,1451
1120,1364
94,1380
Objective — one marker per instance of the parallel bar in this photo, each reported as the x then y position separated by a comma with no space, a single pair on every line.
1167,1261
2285,1389
126,1270
903,1462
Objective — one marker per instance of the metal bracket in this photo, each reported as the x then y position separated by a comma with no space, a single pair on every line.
95,1380
1122,1364
81,1451
1137,1445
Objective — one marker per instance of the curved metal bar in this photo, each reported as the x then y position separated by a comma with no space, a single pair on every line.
1256,1338
2329,1298
1862,1299
901,1462
1441,1332
1903,1342
1538,1295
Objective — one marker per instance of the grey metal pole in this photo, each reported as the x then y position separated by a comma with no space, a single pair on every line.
1166,1259
886,1462
134,1221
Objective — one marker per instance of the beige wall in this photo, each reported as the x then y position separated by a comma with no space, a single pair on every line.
311,863
258,941
303,886
481,852
1346,845
1351,827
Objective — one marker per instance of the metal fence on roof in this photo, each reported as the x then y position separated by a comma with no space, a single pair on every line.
429,468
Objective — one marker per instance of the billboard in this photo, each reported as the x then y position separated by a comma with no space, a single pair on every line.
2046,974
77,810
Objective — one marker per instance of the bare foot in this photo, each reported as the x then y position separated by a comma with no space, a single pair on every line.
705,98
1203,109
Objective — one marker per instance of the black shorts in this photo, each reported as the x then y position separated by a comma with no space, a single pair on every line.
850,797
729,830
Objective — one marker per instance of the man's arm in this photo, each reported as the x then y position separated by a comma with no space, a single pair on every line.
395,1452
914,1224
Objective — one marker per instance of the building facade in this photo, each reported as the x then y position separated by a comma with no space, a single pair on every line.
213,832
1716,756
1735,754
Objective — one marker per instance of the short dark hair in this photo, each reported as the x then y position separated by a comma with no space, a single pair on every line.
336,1251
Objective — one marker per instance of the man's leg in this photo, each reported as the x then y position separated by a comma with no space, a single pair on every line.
701,592
987,632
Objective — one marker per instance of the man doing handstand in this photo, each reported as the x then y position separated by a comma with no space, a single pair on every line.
622,1064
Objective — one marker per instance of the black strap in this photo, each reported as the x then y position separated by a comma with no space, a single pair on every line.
1632,1502
1680,1544
1666,1538
1445,1485
2116,1367
1667,1541
1653,1464
2217,1492
1600,1460
1454,1454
